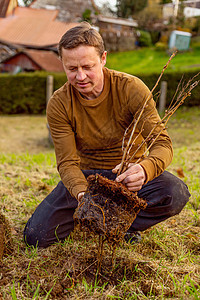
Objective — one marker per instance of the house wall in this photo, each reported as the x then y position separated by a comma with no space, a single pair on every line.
117,37
168,11
191,9
11,7
191,12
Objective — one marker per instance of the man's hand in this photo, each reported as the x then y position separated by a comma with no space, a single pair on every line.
80,195
133,178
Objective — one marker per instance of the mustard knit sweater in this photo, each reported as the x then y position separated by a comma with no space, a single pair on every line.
87,134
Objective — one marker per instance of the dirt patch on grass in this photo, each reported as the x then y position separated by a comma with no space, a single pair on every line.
67,270
2,240
5,237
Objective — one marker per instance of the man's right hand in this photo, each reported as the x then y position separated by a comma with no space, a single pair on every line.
133,178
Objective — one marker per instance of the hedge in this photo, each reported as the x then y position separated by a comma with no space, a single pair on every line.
173,80
25,93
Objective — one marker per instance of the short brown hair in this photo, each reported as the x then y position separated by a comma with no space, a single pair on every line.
82,34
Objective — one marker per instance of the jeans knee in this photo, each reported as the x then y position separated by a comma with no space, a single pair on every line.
29,238
179,194
34,237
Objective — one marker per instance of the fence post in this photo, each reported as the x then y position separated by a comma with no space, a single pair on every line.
163,96
49,87
49,92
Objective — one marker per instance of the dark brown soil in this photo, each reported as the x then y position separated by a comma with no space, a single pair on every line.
2,242
5,237
108,208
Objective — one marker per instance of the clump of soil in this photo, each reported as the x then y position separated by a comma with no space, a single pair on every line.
107,208
5,237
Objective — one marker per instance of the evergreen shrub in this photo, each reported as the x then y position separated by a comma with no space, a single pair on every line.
173,79
144,39
159,46
26,92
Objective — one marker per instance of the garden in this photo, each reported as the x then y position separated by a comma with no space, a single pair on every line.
164,265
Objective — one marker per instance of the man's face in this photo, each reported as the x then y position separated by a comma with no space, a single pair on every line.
84,69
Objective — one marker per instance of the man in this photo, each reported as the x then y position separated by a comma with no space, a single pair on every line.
88,116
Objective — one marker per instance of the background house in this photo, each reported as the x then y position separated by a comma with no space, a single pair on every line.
118,34
32,60
33,27
41,25
7,7
191,9
29,28
7,50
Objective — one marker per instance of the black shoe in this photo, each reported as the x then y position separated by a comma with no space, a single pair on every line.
133,237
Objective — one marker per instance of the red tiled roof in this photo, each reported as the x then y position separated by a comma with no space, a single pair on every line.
27,12
33,27
47,60
3,7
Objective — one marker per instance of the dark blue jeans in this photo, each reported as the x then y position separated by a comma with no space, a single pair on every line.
52,220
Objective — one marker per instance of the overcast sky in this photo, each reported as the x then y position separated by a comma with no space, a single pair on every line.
111,2
98,2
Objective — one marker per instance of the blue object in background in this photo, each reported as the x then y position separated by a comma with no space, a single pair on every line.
180,40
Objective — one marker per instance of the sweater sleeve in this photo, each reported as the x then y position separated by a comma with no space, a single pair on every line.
160,153
68,162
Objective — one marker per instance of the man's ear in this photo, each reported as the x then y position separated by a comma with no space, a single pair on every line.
103,58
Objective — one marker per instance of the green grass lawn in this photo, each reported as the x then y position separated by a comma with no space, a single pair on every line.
148,60
165,265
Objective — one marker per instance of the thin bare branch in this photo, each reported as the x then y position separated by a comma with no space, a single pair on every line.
124,157
167,116
125,133
177,89
135,139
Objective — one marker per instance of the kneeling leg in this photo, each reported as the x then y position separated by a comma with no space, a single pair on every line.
53,218
166,196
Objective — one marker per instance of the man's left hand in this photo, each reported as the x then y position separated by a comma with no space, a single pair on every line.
133,178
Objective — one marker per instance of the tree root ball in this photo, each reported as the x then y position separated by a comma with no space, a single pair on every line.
107,208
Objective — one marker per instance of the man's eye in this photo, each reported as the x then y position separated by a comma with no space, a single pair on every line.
87,67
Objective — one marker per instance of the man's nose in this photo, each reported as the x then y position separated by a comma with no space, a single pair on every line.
80,75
